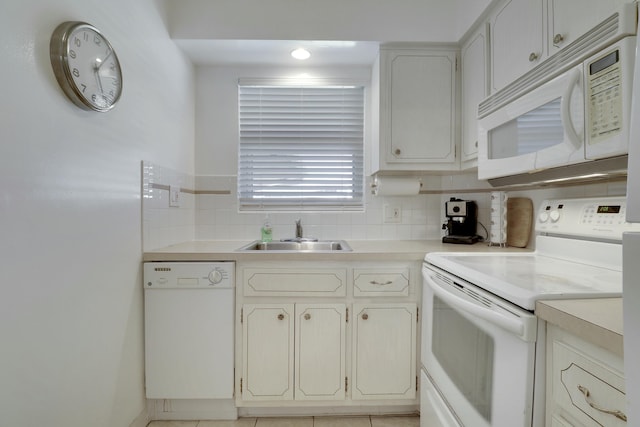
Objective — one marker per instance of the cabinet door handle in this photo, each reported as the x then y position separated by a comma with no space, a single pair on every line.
397,151
533,57
280,316
587,398
365,316
307,316
374,282
558,38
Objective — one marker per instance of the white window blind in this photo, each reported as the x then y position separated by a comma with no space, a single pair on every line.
301,147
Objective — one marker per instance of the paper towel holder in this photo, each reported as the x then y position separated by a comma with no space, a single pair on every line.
396,185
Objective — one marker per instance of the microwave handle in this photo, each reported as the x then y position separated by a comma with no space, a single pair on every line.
565,107
512,324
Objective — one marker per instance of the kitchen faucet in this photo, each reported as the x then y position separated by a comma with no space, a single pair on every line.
298,228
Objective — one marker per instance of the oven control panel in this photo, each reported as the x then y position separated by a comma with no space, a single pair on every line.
602,218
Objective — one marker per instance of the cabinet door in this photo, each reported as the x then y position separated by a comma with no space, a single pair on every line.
517,40
473,56
384,351
570,19
268,351
418,112
320,351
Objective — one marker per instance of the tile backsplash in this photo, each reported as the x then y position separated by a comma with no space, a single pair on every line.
162,224
209,209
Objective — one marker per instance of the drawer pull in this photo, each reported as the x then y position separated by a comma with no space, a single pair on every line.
280,316
365,316
616,413
373,282
307,316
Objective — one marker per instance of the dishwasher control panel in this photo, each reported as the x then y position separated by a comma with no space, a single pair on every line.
189,275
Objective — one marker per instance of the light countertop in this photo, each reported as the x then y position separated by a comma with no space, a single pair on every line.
363,250
598,321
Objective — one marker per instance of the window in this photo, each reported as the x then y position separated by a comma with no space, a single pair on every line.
301,147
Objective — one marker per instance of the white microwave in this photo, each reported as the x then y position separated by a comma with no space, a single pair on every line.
582,114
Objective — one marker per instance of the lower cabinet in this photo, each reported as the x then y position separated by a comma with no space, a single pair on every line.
585,383
352,347
384,351
293,351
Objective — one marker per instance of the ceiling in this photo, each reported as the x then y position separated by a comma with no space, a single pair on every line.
277,52
337,32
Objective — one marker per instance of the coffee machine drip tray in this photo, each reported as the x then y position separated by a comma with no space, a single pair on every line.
464,240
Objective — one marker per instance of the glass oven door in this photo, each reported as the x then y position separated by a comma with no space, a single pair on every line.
479,351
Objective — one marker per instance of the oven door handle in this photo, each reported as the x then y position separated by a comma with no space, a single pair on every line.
512,324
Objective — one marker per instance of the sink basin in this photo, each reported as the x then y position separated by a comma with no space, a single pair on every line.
298,246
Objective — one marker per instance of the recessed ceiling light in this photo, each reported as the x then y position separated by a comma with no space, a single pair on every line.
300,53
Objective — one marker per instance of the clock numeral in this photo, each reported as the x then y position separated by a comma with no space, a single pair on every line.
97,40
77,41
84,87
72,53
85,36
75,72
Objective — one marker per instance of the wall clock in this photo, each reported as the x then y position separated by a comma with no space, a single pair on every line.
86,66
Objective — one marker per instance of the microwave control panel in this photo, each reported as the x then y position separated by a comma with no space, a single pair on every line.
604,96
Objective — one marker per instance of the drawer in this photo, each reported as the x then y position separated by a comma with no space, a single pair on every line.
294,281
589,390
381,282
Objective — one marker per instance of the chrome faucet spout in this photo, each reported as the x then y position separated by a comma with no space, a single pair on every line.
298,229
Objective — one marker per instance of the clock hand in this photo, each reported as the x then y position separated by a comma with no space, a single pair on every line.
96,70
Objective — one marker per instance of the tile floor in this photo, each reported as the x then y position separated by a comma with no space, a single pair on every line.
355,421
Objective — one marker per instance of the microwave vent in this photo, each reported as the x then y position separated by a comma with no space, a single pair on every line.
617,26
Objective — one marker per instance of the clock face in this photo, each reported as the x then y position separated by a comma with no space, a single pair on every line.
86,66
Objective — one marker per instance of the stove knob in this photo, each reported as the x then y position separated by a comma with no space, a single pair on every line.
215,276
543,216
554,215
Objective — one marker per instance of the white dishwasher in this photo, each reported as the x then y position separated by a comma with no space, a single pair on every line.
189,339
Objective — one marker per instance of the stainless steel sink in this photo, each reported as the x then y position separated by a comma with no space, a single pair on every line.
298,246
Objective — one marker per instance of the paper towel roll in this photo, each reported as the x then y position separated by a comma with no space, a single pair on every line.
395,186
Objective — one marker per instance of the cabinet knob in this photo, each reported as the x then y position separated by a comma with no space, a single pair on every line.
365,316
397,151
533,57
558,38
280,316
307,316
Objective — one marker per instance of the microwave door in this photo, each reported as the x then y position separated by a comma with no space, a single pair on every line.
542,128
562,126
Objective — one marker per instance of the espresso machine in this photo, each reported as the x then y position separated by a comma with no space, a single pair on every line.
462,220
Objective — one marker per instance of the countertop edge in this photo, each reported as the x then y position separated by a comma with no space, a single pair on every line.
586,319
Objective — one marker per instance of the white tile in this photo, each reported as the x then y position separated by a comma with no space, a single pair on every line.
285,422
241,422
399,421
341,422
173,424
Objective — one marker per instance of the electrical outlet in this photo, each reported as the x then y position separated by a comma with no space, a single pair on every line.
174,196
392,214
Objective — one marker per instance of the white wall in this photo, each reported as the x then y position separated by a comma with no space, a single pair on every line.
70,213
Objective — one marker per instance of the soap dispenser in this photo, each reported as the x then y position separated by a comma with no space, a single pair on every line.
266,231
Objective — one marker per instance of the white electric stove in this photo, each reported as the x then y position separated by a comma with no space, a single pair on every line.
482,345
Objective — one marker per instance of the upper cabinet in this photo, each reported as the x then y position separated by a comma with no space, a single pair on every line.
474,55
524,33
569,19
414,98
517,40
